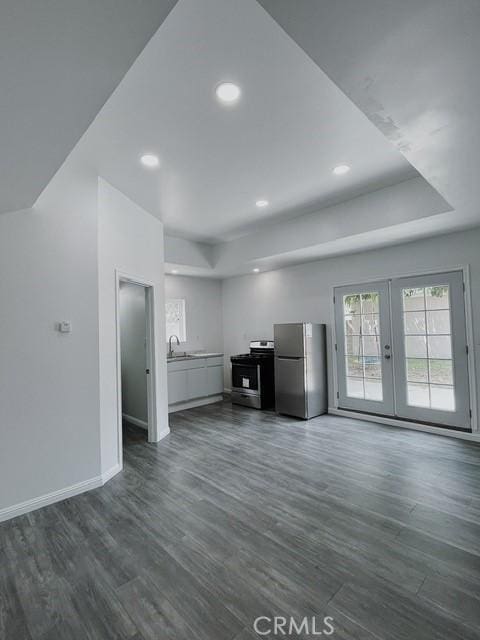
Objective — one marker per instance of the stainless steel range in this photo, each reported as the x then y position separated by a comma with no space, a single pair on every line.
253,376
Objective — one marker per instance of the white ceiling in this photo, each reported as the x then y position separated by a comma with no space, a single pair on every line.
291,126
413,68
59,62
409,70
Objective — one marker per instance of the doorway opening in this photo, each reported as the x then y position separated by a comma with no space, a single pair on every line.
135,353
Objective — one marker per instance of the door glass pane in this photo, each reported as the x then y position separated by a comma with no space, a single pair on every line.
441,372
352,325
418,395
371,324
363,363
371,345
439,347
417,370
415,322
428,347
354,366
416,346
373,367
370,302
351,304
438,322
353,345
437,297
373,390
442,397
413,299
355,388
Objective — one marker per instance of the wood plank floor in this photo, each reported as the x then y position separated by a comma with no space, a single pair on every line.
239,514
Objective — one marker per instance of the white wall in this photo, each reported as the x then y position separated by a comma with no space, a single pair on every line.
58,392
180,252
203,311
49,398
133,349
252,304
130,241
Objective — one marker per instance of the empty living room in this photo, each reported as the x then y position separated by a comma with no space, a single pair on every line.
240,319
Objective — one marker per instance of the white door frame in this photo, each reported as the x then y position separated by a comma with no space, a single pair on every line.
150,350
465,269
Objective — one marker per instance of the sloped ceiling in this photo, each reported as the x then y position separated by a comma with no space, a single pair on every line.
404,73
412,68
59,62
280,142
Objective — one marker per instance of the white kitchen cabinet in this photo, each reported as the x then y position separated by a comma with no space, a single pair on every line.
194,380
197,382
177,386
215,380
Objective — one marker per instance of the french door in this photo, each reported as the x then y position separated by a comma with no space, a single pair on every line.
401,349
431,361
364,348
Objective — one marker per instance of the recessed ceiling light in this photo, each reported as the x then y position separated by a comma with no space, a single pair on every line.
256,270
341,169
261,203
227,92
174,271
149,160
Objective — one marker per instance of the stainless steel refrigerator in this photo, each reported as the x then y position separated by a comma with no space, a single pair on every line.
300,369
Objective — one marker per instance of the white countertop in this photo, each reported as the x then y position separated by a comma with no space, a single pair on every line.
192,356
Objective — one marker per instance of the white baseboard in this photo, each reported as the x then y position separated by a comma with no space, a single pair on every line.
394,422
163,434
191,404
136,421
49,498
108,475
57,496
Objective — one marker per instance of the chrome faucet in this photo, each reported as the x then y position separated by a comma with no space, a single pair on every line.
170,350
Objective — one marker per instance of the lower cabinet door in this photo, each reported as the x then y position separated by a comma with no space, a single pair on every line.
197,383
177,386
215,380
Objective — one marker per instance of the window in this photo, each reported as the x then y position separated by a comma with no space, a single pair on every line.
428,347
362,346
175,319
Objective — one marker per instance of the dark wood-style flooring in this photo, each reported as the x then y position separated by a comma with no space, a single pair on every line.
239,514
